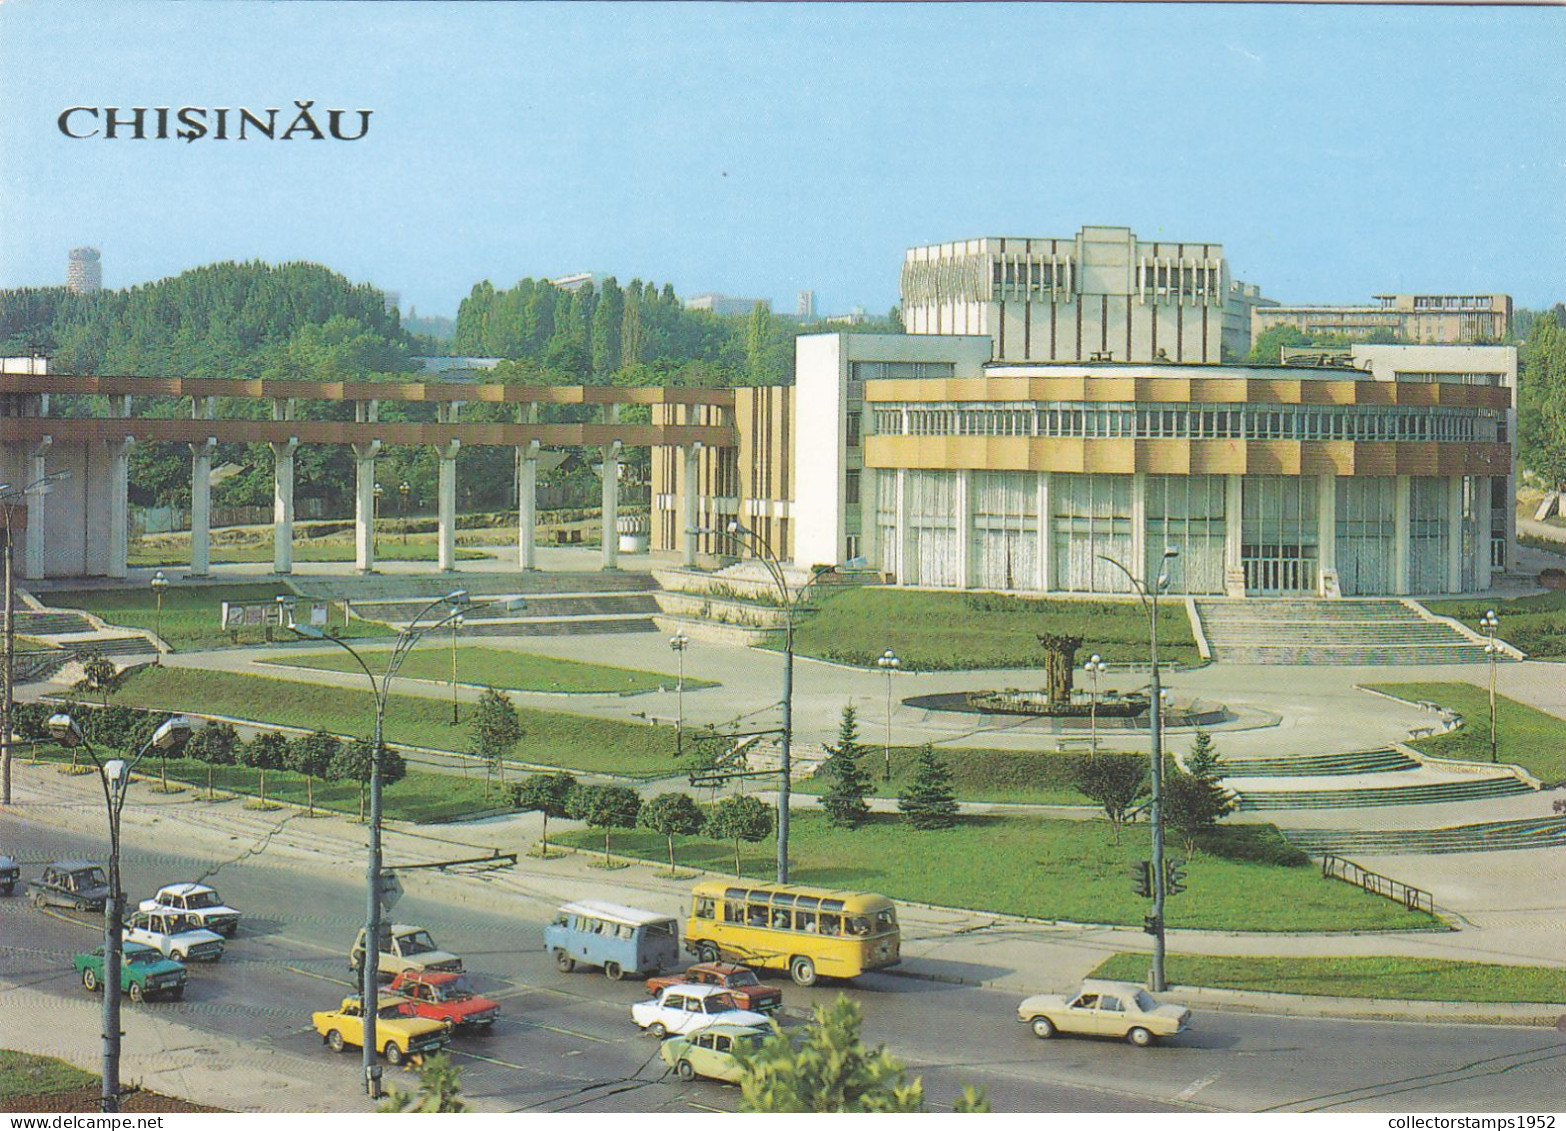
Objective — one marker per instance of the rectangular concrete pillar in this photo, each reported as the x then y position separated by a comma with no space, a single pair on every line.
1046,537
201,507
1454,534
611,505
1327,536
283,506
446,525
900,525
1401,558
364,506
33,540
1234,536
689,497
1139,549
1482,570
869,514
964,519
527,506
119,506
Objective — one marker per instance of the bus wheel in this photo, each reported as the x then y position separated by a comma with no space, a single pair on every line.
803,971
707,952
564,962
613,972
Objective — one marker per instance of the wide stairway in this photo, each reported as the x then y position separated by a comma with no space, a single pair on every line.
1496,836
1345,632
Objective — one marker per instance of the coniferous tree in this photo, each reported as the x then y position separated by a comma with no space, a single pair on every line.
929,801
847,781
1194,799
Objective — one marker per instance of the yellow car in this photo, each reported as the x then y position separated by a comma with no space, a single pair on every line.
1104,1009
401,1037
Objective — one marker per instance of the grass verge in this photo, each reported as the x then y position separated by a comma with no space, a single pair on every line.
498,667
959,631
1410,979
1023,776
1245,878
26,1074
548,738
1525,735
1535,624
387,550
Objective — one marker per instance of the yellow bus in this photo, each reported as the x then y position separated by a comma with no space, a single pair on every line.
806,931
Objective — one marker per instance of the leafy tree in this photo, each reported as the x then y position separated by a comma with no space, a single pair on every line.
606,807
313,755
493,731
215,744
440,1090
101,676
1194,799
847,780
739,818
832,1070
544,793
672,815
929,802
1115,782
1267,347
353,763
1541,400
267,750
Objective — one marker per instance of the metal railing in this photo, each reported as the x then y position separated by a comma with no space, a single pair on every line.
1415,899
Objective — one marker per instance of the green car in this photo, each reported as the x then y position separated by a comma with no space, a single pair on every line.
709,1052
144,973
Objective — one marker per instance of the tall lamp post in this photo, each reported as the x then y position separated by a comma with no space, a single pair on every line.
402,508
115,774
159,584
678,643
457,621
9,497
375,514
1490,622
369,983
1149,597
1095,668
888,662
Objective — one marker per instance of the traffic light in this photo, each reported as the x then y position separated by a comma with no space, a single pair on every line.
1152,925
1174,876
1142,878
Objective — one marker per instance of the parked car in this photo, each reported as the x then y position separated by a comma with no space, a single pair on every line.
1107,1009
198,901
144,973
78,884
401,1036
684,1009
709,1052
747,990
621,940
10,873
404,947
443,996
173,934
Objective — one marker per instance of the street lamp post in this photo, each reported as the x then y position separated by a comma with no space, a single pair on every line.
370,970
1149,598
375,514
402,508
160,584
114,774
679,642
1095,668
457,621
9,497
1490,622
888,662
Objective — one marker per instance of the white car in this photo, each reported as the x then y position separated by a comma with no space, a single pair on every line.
175,935
685,1009
1104,1009
198,901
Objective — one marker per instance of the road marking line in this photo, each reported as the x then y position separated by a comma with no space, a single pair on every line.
322,977
1196,1086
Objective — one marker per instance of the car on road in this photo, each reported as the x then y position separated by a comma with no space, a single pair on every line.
198,901
441,995
80,885
172,933
621,940
144,973
10,873
404,947
710,1052
401,1036
683,1009
747,990
1104,1009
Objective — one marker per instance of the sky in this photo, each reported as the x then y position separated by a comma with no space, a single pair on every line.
762,149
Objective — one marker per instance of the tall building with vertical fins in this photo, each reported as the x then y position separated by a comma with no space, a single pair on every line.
84,270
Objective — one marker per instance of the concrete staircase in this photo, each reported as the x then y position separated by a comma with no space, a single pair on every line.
1497,836
1343,632
1414,793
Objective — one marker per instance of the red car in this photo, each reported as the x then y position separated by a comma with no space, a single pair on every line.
441,995
747,990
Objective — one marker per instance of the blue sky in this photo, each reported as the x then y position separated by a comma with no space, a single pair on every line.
756,150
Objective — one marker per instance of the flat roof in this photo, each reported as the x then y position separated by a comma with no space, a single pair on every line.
616,911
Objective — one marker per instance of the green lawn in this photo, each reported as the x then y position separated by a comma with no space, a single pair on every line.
1535,624
1413,979
1035,777
191,613
1072,870
389,549
958,631
26,1074
549,738
498,667
1529,737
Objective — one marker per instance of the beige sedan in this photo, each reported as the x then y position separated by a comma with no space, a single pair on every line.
1106,1009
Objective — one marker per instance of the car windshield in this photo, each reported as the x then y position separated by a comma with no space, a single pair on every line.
743,978
1144,1002
89,878
202,899
142,957
457,989
390,1011
418,942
